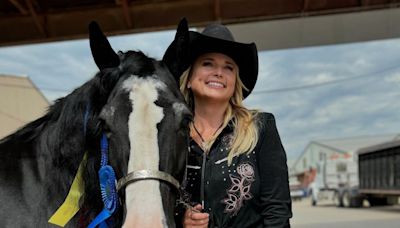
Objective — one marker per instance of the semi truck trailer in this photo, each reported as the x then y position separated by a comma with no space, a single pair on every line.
372,175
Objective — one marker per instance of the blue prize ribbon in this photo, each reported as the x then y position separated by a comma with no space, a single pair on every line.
104,150
100,219
108,189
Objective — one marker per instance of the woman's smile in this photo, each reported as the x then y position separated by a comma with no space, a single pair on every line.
215,84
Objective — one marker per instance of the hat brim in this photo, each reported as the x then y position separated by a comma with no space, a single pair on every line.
244,55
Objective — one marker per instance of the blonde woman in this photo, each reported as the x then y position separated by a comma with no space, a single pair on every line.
237,173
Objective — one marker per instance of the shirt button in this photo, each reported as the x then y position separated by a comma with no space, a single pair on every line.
208,182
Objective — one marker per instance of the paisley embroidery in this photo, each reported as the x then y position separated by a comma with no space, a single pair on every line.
240,189
227,140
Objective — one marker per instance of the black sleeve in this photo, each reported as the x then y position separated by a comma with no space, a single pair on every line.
274,184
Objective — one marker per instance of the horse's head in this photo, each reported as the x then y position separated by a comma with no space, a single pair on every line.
146,123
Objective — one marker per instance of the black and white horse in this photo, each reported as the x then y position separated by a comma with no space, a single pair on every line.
133,100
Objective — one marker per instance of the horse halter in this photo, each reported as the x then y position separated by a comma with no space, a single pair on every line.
110,187
147,175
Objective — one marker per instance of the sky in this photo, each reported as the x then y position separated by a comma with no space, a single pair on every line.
324,92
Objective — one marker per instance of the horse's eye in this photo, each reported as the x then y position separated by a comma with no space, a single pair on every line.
108,134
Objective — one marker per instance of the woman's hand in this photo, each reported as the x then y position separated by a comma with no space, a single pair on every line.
194,218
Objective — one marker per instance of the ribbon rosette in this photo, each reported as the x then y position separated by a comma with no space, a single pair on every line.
109,195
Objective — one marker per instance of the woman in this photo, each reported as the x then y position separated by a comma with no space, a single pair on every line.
237,173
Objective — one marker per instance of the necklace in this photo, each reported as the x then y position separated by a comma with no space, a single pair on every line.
204,144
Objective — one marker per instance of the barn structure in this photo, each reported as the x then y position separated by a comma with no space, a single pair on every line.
20,102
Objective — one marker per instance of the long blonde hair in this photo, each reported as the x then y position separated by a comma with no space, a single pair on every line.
245,134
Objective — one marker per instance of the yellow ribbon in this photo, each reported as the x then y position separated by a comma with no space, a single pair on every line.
71,204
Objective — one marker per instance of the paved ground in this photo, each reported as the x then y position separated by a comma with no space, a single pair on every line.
328,215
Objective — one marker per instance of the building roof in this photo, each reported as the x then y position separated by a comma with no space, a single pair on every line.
20,103
352,144
379,147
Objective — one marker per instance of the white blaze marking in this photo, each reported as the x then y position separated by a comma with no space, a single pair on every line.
143,198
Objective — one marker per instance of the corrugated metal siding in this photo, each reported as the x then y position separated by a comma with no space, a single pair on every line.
380,170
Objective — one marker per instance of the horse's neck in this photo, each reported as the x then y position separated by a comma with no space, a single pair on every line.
35,173
20,180
39,161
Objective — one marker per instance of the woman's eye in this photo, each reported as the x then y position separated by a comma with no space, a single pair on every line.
206,63
230,68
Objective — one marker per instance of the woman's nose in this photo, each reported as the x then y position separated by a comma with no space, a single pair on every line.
218,72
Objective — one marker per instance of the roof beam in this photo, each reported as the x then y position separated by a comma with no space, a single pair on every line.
18,5
306,6
217,10
125,12
36,20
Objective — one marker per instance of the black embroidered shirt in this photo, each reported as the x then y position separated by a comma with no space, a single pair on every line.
253,191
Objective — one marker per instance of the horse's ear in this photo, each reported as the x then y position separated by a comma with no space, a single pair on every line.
177,54
102,52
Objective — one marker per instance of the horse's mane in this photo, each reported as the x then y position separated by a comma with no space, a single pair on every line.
62,118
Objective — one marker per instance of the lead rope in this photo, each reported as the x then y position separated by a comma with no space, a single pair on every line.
183,195
203,165
184,198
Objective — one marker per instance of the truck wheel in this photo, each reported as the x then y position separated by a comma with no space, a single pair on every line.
346,199
351,201
356,202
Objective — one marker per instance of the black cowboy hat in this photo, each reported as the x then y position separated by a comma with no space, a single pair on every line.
218,38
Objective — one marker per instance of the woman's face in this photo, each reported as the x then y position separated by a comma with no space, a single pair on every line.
213,77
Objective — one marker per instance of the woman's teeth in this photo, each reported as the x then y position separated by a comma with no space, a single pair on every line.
216,84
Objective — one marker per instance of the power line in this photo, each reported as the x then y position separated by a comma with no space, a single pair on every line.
287,89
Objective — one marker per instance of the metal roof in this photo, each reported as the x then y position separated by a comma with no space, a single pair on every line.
352,144
32,21
382,146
